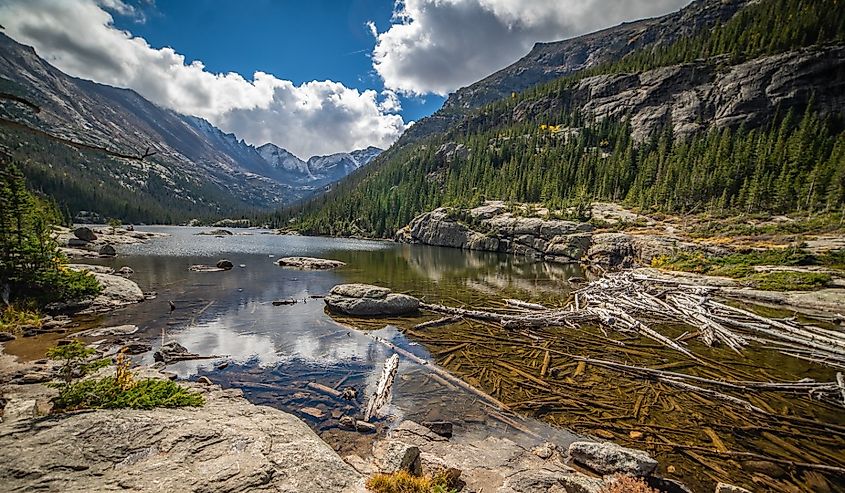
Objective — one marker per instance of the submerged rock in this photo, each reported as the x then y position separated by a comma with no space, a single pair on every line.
368,300
310,263
609,458
225,264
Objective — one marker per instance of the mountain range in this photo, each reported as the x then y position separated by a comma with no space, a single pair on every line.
79,139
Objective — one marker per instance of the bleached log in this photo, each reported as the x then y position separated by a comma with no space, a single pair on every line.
383,389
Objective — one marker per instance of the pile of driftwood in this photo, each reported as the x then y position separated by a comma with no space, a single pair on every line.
633,302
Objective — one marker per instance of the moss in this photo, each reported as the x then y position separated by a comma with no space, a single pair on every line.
107,393
788,281
404,482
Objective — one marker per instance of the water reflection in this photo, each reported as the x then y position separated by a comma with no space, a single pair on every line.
274,351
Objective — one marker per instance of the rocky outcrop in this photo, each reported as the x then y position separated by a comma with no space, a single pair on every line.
84,233
228,444
493,228
310,263
367,300
700,95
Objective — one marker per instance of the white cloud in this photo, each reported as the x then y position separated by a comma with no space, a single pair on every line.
318,117
437,46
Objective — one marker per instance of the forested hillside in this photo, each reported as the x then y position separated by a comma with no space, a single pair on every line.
775,146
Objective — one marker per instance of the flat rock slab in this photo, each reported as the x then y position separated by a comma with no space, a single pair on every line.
310,263
120,330
365,300
226,445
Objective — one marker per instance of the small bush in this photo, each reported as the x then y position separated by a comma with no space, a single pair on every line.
788,281
13,317
108,393
73,357
405,482
627,484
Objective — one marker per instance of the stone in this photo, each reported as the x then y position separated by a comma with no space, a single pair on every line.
611,250
19,410
117,292
542,481
7,336
360,291
545,451
442,428
310,263
171,352
367,300
125,271
314,412
119,330
411,431
225,264
136,348
85,234
360,465
204,380
572,246
394,455
107,251
729,488
228,444
77,243
609,458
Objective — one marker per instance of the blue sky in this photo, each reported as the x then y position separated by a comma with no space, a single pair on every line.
295,40
312,76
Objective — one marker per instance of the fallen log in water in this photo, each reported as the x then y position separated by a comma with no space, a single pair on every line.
628,301
383,388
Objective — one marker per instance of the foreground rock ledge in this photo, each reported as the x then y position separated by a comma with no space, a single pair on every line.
366,300
226,445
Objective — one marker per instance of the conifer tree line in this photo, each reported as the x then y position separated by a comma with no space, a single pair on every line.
560,158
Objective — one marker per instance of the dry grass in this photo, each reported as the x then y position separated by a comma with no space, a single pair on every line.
405,482
13,317
627,484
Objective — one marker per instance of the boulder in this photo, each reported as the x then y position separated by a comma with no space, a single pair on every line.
609,458
125,271
542,481
117,291
137,347
611,250
84,233
366,300
119,330
572,246
107,251
225,264
7,336
394,455
310,263
76,243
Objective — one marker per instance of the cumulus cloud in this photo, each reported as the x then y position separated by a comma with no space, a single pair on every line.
317,117
437,46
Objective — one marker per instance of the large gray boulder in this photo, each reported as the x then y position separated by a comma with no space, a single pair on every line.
226,445
85,234
367,300
572,247
609,458
394,455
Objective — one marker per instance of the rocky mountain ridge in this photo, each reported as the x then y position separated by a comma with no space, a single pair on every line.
318,170
549,61
79,130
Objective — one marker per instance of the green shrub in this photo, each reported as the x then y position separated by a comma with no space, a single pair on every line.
107,393
73,357
788,281
31,265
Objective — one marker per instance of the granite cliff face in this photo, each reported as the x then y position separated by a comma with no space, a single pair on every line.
703,94
549,61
